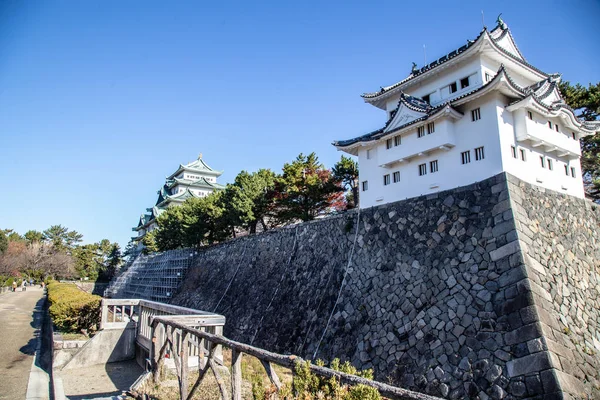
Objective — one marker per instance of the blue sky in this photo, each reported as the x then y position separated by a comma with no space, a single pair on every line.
100,100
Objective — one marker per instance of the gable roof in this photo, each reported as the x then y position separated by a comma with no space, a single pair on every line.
504,38
200,183
198,166
501,81
545,97
179,197
163,194
499,39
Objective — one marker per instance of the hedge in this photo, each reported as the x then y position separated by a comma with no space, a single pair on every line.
72,309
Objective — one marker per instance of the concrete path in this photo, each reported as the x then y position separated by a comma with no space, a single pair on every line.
99,381
20,322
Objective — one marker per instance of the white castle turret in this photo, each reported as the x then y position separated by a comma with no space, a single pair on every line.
480,110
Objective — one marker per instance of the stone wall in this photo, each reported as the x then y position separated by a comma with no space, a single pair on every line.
439,294
560,239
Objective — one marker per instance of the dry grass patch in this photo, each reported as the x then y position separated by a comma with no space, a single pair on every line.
255,382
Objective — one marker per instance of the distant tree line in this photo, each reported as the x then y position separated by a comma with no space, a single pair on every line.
55,253
258,201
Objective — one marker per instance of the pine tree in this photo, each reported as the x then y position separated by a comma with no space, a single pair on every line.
586,103
306,190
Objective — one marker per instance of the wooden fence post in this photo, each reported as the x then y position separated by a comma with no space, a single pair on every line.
184,367
104,315
272,375
153,348
236,374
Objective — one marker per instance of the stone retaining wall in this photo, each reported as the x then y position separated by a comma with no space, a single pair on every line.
560,240
441,294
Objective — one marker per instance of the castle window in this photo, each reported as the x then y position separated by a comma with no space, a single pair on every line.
566,170
427,98
573,136
464,82
422,169
466,156
386,179
369,154
573,172
556,128
475,114
523,155
397,140
452,87
430,128
421,131
550,124
388,144
550,165
530,115
479,154
488,77
396,176
543,161
365,186
433,166
513,151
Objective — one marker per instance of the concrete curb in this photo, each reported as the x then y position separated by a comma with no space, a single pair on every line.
38,386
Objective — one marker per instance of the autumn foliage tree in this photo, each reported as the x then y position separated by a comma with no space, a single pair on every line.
346,172
261,199
56,253
306,189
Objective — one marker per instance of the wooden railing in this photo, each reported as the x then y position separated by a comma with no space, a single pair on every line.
120,313
173,337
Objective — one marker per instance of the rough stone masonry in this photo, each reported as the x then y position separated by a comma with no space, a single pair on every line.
485,291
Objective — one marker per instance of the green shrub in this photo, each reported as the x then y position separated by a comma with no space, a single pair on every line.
72,309
309,386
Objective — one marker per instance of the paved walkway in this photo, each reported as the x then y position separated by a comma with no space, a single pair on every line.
100,381
20,321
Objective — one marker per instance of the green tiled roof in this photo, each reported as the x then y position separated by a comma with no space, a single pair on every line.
196,183
198,166
165,198
178,198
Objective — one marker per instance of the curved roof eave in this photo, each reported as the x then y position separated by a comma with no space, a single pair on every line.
197,170
533,102
501,78
426,70
504,33
374,136
471,47
202,182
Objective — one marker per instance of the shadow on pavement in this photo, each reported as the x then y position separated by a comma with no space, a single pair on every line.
95,395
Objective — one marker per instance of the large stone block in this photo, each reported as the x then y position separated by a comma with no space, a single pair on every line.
529,364
505,251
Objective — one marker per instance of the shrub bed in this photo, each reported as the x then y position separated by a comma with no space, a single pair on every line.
72,309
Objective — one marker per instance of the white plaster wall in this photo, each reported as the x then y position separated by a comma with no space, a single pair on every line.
495,131
531,169
412,144
492,66
538,127
197,175
436,84
452,173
